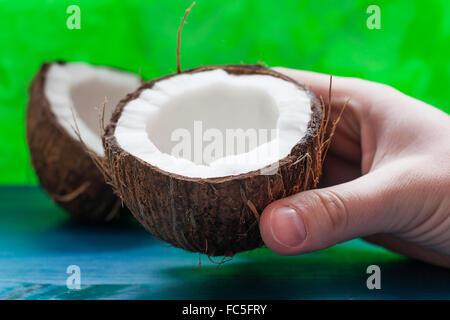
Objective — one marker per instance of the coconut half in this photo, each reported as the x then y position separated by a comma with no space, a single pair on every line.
167,161
63,97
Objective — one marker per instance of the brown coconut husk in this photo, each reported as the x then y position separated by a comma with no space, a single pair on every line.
215,216
64,169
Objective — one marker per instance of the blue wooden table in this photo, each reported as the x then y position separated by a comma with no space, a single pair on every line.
38,242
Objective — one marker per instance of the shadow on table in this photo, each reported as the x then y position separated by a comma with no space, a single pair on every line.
30,219
70,236
335,273
38,240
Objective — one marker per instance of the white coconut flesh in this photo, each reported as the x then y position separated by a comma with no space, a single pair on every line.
76,93
186,124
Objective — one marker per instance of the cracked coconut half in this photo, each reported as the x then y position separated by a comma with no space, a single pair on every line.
65,96
169,158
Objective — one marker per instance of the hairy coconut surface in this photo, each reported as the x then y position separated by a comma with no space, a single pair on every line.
213,215
59,94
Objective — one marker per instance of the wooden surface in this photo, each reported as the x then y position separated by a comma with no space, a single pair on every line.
38,242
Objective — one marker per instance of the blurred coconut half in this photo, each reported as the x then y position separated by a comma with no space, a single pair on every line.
65,99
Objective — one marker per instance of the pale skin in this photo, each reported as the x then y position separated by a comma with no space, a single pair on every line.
386,177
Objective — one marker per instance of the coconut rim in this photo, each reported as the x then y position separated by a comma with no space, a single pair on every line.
110,142
41,80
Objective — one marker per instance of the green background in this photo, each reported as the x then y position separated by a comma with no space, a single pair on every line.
410,52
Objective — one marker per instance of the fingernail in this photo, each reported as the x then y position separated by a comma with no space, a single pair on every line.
287,227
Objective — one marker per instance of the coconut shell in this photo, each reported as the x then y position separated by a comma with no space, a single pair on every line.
64,168
215,216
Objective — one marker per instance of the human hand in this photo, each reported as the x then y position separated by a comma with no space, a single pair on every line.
386,177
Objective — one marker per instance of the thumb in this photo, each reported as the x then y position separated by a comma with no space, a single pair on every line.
320,218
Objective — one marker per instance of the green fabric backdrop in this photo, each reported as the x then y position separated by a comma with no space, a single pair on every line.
410,52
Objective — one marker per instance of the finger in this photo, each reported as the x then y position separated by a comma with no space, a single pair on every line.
409,249
317,219
342,87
